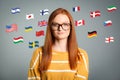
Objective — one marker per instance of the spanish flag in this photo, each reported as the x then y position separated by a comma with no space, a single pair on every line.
92,34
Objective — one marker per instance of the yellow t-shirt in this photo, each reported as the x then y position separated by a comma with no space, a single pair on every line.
59,68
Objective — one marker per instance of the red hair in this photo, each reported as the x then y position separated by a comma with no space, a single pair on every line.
49,40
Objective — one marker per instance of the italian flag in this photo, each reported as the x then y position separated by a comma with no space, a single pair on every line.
111,8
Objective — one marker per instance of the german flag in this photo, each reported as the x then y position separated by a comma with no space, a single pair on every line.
92,34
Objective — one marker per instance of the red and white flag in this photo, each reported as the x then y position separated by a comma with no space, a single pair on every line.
39,33
80,22
95,14
30,16
109,39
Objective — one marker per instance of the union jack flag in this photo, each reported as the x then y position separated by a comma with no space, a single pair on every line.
42,23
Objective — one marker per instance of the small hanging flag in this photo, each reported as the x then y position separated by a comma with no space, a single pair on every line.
108,23
77,8
109,39
18,40
92,34
95,14
80,22
29,16
11,28
28,28
111,8
33,44
42,23
44,12
40,33
15,10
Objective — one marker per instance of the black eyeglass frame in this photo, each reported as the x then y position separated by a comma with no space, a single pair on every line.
57,25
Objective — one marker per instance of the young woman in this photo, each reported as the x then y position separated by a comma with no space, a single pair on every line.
59,58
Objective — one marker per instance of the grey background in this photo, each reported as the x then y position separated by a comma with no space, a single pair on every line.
103,58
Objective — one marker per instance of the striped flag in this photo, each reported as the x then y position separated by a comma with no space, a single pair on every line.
108,23
33,44
28,28
42,23
40,33
95,14
44,12
18,40
29,16
15,10
77,8
92,34
11,28
109,39
111,8
80,22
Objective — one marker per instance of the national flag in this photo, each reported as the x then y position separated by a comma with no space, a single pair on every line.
95,14
80,22
111,8
44,12
77,8
28,28
42,23
11,28
15,10
33,44
109,39
40,33
108,23
18,40
29,16
92,34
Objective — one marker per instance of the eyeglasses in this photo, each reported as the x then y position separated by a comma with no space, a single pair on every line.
56,26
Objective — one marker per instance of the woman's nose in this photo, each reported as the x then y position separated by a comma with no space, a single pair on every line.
60,27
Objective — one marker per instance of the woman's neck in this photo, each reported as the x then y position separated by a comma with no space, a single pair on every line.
60,45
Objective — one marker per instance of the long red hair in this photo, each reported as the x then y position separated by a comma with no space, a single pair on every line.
49,40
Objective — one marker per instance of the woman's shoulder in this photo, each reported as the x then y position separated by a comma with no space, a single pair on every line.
84,57
82,52
37,51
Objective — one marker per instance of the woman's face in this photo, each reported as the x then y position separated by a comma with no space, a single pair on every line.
61,27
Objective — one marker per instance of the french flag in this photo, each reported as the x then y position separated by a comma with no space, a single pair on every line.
77,8
108,23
